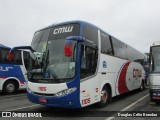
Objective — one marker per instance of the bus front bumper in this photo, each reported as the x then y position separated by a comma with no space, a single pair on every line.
69,101
155,94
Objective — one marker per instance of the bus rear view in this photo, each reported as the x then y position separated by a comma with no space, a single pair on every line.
154,76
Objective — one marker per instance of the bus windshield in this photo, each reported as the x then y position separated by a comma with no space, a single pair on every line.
49,63
155,59
60,66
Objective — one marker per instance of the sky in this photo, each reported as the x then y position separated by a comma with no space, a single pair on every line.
135,22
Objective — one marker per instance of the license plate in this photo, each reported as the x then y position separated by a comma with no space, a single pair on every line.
43,100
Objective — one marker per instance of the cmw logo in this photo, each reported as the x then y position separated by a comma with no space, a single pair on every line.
5,69
63,30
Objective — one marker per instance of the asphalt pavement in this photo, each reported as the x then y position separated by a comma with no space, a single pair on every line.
130,106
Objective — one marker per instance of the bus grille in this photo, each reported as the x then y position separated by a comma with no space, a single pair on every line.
42,94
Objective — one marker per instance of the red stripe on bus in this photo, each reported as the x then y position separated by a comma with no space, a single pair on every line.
122,87
22,82
3,77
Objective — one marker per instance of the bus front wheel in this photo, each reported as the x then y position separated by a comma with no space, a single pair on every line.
105,97
9,87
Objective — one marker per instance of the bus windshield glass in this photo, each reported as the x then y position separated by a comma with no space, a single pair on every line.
49,64
155,59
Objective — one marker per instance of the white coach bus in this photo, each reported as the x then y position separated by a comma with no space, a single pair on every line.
75,64
154,75
13,72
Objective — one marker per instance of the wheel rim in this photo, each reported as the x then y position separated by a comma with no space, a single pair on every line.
104,96
10,87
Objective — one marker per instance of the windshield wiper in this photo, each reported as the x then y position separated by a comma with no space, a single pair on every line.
46,60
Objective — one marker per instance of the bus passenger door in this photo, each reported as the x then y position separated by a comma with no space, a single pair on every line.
25,66
89,79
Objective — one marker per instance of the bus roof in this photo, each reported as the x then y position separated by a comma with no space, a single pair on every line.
3,46
157,43
82,23
69,22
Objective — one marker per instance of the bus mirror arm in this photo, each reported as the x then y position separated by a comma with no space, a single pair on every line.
22,47
75,38
68,45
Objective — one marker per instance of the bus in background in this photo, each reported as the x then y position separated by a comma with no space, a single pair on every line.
75,64
154,75
146,69
13,73
144,63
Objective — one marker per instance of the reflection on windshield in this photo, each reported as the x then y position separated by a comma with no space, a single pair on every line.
39,44
53,64
59,65
48,62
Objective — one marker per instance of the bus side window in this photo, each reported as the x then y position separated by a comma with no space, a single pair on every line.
120,49
106,47
88,61
4,55
17,59
26,58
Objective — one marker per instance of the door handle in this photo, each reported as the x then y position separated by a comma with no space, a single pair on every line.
103,73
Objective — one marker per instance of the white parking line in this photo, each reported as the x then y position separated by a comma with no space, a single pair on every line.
109,118
10,96
129,106
22,108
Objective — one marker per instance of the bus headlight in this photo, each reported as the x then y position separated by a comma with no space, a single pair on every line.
154,86
65,92
28,89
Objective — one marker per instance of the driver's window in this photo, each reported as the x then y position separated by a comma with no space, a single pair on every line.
88,61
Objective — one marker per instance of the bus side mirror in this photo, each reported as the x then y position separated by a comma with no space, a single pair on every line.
68,48
10,56
68,45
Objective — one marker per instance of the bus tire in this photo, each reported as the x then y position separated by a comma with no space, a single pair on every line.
105,97
9,87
